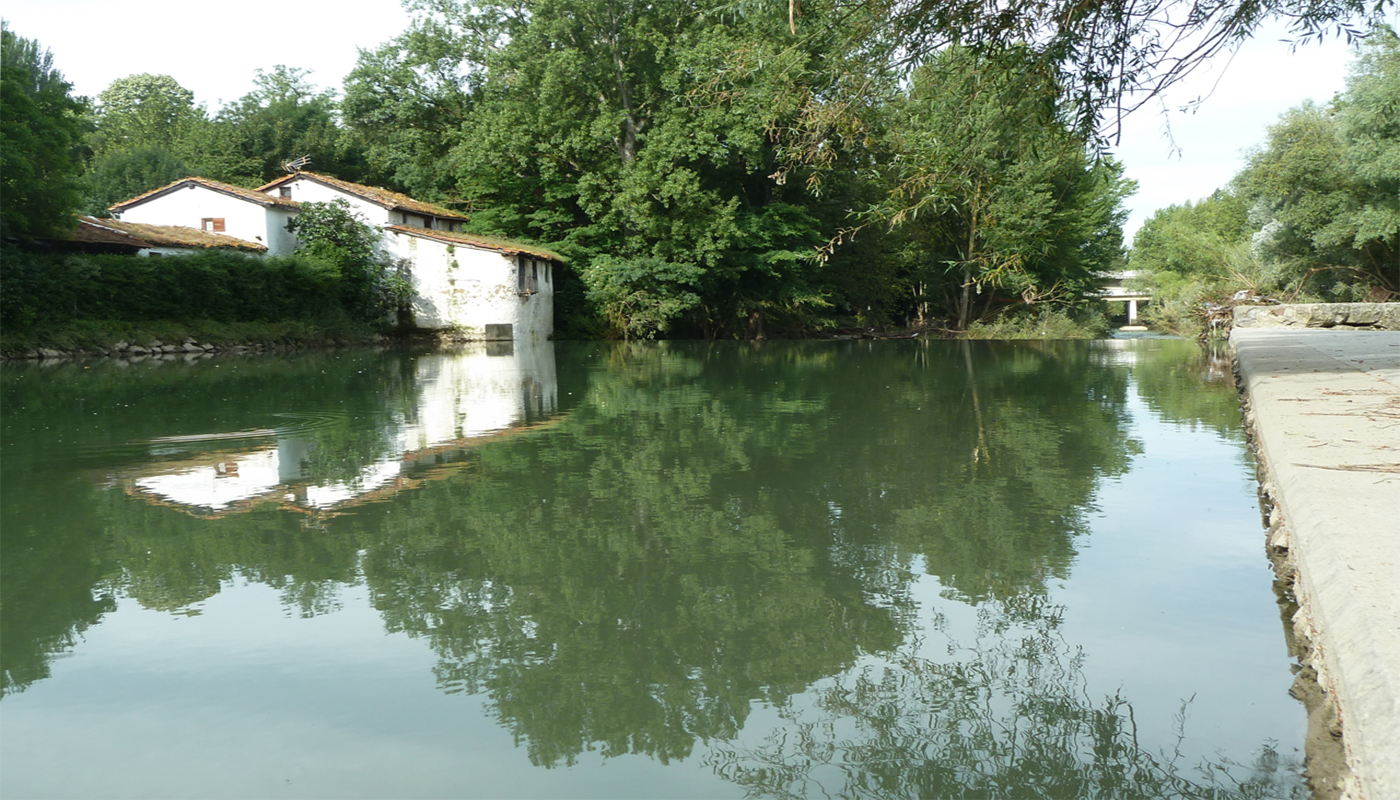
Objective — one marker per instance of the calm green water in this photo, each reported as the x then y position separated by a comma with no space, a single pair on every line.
885,570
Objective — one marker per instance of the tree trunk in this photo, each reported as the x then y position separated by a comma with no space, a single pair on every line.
980,452
965,300
631,125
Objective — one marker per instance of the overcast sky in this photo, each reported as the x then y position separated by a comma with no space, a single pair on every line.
214,53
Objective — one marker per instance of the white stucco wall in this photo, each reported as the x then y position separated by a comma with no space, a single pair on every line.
280,241
189,205
462,287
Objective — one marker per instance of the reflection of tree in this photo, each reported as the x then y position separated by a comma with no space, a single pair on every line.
985,468
601,587
69,547
53,560
170,560
1010,717
711,525
717,525
1189,383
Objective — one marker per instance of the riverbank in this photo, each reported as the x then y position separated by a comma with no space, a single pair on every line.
1323,406
88,338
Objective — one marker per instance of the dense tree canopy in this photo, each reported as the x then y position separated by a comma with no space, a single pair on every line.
656,144
40,131
149,131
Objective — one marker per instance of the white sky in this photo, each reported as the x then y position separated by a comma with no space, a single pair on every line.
209,48
213,50
1243,97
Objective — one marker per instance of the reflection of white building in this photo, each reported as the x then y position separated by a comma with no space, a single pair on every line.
463,398
467,395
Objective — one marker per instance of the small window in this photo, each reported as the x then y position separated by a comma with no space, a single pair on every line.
526,276
284,191
213,224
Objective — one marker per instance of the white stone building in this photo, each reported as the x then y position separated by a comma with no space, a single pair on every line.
215,207
477,287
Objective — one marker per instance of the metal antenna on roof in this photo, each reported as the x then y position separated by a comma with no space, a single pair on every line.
296,164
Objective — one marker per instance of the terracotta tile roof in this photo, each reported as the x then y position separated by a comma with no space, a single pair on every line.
482,242
169,235
229,189
374,194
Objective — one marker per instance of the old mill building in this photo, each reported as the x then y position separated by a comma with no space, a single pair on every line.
476,286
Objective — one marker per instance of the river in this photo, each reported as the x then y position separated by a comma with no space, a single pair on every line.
784,569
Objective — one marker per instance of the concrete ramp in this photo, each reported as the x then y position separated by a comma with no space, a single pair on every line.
1324,408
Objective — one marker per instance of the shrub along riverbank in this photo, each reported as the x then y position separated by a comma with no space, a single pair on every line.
87,303
83,304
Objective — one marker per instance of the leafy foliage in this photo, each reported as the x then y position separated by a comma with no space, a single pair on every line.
998,200
649,142
37,289
350,251
40,132
284,117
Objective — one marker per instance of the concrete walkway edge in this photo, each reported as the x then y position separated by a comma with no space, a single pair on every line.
1324,408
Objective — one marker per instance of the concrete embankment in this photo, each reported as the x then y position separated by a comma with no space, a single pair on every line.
1323,404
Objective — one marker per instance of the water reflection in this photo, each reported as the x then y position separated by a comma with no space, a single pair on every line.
454,401
1006,713
637,548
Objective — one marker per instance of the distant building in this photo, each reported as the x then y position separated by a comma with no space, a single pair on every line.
475,286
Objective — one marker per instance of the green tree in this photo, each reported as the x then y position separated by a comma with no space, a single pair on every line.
1196,254
1325,189
143,112
124,174
405,103
146,135
351,251
585,129
999,198
40,132
285,117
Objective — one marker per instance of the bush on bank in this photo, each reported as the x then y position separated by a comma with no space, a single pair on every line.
85,301
38,288
1086,324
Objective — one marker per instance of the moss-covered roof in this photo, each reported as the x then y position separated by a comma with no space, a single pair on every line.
374,194
223,188
482,242
166,235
